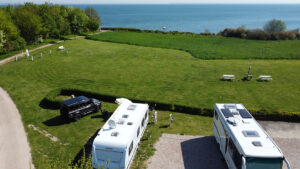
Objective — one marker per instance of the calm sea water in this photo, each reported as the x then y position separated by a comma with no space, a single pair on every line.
196,18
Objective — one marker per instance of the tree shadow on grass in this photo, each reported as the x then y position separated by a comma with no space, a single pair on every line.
164,126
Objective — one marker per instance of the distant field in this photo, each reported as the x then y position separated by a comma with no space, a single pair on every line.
144,73
209,47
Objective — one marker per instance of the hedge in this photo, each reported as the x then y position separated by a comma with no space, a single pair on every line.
51,102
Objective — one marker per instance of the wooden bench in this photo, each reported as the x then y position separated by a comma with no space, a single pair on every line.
228,77
265,78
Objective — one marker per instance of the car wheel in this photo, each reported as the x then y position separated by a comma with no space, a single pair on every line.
77,117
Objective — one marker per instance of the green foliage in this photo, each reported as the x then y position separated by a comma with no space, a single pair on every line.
2,41
207,47
94,21
12,40
275,26
35,23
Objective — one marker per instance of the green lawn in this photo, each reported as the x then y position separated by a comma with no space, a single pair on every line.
144,73
209,47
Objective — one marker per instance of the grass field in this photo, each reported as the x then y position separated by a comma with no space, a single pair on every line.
145,73
209,47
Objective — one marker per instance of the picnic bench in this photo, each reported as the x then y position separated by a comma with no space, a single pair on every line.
264,78
228,77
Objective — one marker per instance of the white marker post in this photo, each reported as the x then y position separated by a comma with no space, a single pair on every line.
31,58
50,52
171,119
155,117
27,53
41,55
16,58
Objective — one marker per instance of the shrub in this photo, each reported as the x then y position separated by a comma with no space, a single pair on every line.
275,26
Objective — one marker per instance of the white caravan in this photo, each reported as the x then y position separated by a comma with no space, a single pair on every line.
116,143
243,142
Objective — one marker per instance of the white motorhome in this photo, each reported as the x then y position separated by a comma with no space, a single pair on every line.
117,141
243,142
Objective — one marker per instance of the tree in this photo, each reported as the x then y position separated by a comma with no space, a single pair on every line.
78,21
29,23
11,36
275,26
2,41
94,19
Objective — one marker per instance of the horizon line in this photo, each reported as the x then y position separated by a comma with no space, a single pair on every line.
157,3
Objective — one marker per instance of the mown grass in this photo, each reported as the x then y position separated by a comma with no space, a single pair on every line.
144,73
208,47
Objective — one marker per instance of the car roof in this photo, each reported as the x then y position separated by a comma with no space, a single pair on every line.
74,101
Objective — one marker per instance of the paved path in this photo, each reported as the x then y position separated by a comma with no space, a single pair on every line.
201,152
14,148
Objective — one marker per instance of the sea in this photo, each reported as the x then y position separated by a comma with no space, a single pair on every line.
196,17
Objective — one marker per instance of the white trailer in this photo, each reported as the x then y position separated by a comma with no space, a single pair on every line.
243,142
117,141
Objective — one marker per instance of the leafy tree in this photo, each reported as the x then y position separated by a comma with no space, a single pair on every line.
94,19
29,23
2,41
11,36
78,21
275,26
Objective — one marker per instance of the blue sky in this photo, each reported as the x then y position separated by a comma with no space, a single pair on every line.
155,1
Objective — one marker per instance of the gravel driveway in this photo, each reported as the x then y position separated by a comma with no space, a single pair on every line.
201,152
14,148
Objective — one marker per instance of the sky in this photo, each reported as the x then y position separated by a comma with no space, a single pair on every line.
154,1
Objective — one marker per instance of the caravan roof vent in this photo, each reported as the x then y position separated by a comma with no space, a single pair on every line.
129,123
115,134
131,107
121,122
230,106
125,116
257,143
250,133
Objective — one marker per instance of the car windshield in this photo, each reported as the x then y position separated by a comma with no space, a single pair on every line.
264,163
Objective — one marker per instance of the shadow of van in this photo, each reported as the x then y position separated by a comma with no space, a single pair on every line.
202,153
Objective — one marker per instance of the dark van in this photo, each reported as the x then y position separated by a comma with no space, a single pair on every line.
77,107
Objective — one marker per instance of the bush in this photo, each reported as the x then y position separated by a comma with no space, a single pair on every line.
275,26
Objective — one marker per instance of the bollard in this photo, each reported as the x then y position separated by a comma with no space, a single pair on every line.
50,52
31,58
16,59
41,54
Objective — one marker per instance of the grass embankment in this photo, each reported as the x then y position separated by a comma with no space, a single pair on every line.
162,75
208,47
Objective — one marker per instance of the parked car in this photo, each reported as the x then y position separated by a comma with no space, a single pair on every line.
77,107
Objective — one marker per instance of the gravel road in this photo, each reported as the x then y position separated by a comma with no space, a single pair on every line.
201,152
14,148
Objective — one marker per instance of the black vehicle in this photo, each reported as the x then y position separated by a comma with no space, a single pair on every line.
77,107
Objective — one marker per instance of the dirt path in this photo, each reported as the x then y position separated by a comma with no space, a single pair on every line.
201,152
14,147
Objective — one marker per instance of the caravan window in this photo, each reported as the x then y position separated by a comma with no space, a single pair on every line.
143,121
263,163
130,148
138,132
234,154
216,115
